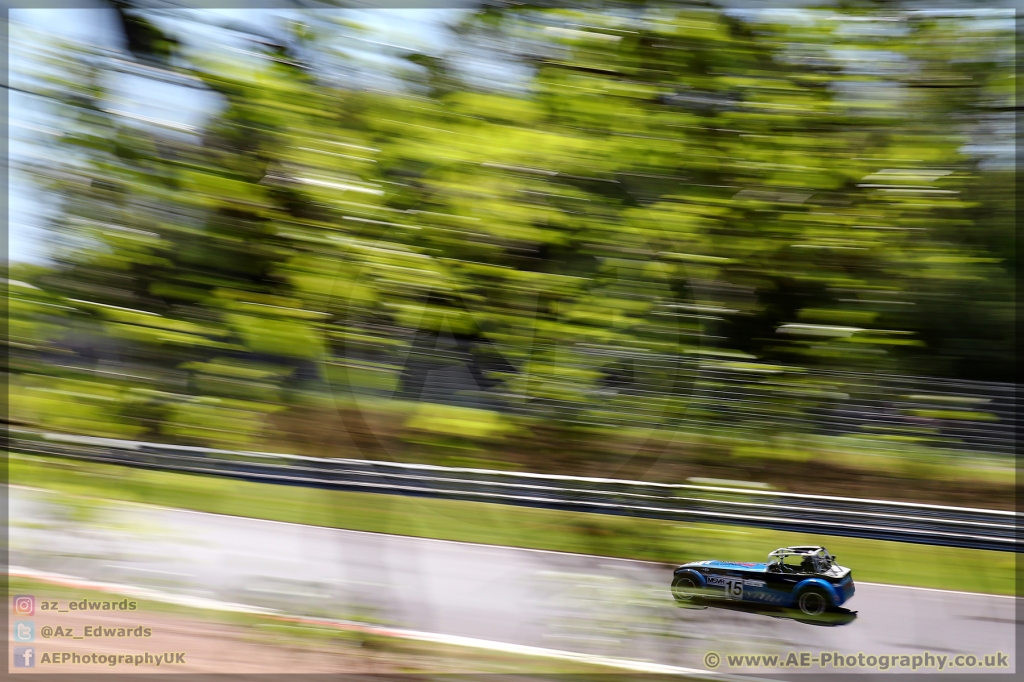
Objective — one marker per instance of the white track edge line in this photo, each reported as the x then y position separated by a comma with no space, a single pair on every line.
436,638
935,589
463,542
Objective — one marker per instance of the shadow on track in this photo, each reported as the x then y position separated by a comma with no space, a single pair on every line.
832,618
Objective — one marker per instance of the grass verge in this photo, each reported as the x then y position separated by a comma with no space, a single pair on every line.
646,539
285,635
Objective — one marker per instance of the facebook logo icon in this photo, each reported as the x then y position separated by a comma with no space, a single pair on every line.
24,657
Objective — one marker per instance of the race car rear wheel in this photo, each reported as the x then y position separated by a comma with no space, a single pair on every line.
684,589
812,602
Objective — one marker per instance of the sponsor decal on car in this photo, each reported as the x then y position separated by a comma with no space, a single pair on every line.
769,597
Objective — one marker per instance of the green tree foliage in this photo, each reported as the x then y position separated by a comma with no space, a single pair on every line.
669,190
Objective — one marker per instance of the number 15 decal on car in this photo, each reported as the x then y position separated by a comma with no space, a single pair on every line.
733,588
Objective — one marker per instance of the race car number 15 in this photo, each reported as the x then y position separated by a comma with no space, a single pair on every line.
734,588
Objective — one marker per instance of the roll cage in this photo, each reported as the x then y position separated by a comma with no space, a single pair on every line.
814,559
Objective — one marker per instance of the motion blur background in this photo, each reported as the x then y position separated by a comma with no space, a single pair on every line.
638,240
632,239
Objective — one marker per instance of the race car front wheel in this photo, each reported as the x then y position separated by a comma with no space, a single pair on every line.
812,602
684,589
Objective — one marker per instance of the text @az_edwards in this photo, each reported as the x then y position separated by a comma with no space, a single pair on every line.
95,631
25,602
834,660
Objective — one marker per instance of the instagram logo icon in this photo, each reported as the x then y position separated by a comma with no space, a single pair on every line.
24,605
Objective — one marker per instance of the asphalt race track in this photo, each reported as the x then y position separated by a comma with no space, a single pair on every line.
609,607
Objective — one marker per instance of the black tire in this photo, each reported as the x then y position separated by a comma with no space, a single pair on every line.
684,589
813,602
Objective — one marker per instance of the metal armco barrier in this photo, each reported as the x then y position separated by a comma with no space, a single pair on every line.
823,515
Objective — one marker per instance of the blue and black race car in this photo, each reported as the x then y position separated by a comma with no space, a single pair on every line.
807,578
